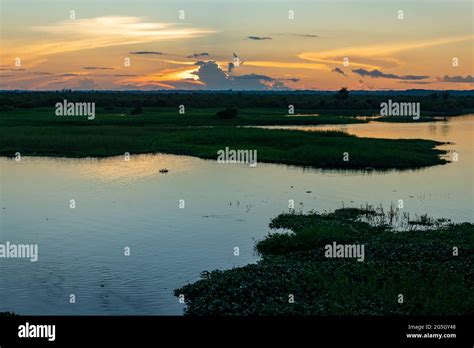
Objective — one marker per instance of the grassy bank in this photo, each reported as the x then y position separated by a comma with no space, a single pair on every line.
42,134
195,117
418,264
168,117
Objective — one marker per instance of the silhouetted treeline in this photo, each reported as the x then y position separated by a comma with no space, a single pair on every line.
447,102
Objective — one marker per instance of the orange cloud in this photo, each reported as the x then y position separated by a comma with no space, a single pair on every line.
82,34
376,56
166,77
287,65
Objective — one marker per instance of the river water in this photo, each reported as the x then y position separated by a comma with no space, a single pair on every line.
129,204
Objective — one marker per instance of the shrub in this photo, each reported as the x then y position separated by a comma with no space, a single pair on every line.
137,110
6,108
227,113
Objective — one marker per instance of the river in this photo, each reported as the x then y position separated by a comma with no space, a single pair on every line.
129,204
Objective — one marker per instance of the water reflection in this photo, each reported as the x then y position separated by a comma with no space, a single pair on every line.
131,204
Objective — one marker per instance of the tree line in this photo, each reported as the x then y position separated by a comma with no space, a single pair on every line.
446,102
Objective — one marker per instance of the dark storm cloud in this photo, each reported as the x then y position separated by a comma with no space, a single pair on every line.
416,82
459,79
146,52
254,77
379,74
259,38
214,78
97,68
339,71
300,35
198,55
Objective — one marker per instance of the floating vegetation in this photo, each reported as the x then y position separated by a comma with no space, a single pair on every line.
431,267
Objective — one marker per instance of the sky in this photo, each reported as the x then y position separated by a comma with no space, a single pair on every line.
239,45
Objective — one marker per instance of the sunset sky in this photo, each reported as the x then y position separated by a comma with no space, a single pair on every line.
43,48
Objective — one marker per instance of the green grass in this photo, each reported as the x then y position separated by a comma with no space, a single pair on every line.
168,117
418,264
42,134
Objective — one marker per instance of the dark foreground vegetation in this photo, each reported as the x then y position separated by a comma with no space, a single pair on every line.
418,264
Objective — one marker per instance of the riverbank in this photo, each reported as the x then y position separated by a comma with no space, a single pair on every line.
168,117
426,271
41,133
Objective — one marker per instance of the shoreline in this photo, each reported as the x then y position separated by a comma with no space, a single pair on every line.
318,283
40,134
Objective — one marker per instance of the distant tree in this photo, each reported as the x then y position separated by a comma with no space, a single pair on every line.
445,95
227,113
342,94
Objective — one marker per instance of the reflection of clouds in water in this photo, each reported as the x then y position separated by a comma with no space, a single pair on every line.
438,130
131,204
445,128
457,131
113,168
138,167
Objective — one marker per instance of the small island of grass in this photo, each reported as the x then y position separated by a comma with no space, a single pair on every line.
200,133
425,271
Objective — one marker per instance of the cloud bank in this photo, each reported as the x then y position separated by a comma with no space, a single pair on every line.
459,79
212,77
259,38
198,55
339,71
379,74
146,52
